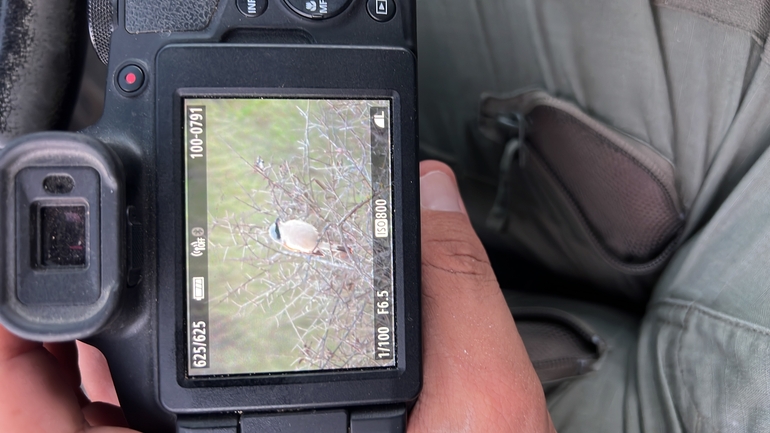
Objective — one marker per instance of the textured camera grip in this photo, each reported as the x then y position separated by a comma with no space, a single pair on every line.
101,15
155,16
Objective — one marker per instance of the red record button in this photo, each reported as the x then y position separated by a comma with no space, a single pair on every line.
130,78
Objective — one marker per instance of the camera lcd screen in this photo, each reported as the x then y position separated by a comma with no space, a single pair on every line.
288,235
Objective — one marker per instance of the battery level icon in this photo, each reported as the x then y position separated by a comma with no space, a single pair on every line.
198,288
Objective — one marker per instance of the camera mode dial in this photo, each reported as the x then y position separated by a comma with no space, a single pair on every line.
318,9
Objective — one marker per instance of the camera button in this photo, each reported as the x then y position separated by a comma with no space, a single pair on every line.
251,8
378,420
130,78
381,10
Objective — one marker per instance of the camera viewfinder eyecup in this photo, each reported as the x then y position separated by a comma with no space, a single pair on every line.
62,256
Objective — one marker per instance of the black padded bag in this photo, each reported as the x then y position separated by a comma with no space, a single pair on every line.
559,345
588,200
624,203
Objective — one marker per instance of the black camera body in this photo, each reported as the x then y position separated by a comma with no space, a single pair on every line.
256,163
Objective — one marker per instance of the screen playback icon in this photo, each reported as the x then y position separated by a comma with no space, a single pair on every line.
381,7
379,119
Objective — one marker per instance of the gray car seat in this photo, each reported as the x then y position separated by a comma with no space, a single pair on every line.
620,144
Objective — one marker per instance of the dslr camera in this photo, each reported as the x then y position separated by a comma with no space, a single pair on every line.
239,233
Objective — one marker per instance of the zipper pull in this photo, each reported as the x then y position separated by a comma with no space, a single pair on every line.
513,125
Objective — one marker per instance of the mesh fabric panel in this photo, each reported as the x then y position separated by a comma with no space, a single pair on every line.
625,205
559,345
548,342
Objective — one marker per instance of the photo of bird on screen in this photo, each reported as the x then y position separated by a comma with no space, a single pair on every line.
301,237
291,258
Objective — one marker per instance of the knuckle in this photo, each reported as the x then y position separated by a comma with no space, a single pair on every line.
452,255
457,257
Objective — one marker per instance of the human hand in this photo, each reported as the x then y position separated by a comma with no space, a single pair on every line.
41,389
477,376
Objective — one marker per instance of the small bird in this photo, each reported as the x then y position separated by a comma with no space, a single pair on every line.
301,237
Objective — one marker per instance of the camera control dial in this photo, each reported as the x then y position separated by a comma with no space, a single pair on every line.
318,9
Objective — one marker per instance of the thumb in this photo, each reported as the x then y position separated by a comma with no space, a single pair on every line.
477,375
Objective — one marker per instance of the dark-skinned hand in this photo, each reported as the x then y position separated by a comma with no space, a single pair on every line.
477,375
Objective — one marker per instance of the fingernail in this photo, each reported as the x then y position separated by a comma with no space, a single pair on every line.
438,192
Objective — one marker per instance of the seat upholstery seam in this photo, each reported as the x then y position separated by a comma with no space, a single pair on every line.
753,33
693,307
689,309
698,308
